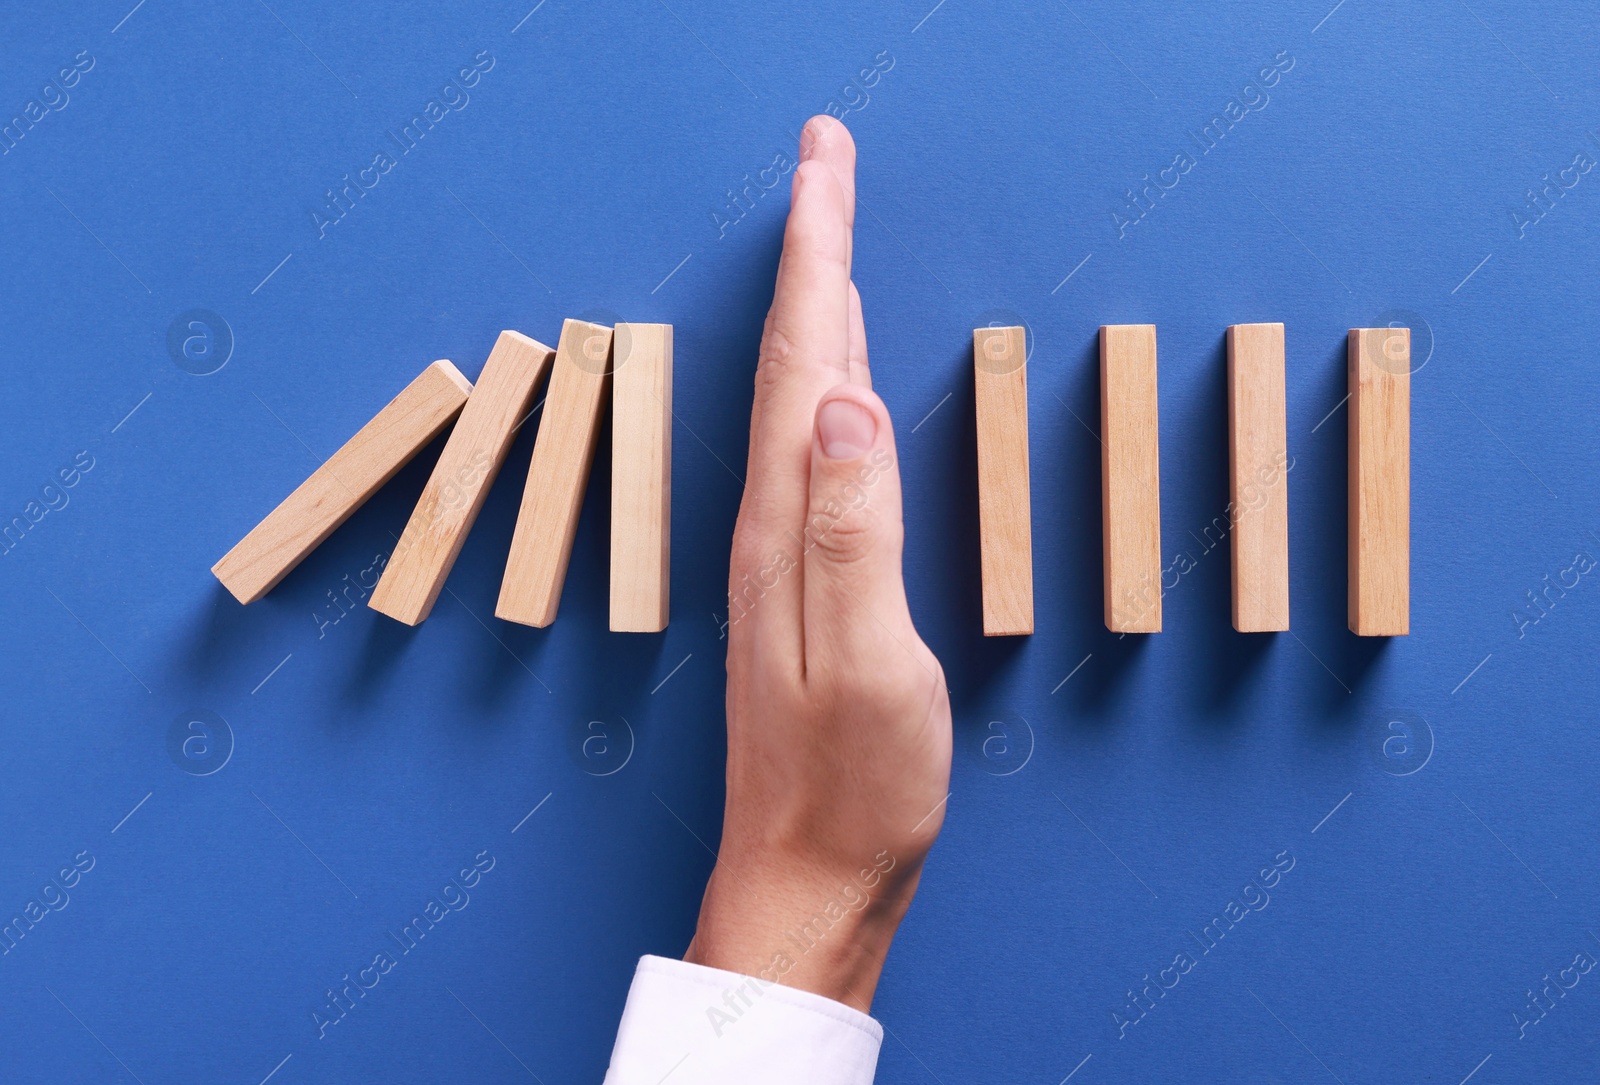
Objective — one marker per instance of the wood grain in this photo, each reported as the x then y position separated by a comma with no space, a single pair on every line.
641,477
562,455
1380,482
1130,478
1005,511
344,482
460,482
1258,479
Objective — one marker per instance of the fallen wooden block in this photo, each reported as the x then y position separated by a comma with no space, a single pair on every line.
343,483
1005,510
641,476
1380,482
460,482
562,456
1130,478
1258,487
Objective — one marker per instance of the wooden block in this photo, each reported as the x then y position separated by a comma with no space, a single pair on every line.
344,483
562,455
460,481
641,476
1130,478
1258,487
1005,510
1380,482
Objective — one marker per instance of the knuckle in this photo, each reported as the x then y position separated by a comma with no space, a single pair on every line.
775,346
845,541
766,507
843,537
846,524
757,567
747,558
741,560
775,361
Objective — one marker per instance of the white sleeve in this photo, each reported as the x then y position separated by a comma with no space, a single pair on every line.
693,1025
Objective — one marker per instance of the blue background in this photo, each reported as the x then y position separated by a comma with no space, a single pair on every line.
1437,792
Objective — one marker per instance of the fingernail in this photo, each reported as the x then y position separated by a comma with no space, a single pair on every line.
846,429
808,140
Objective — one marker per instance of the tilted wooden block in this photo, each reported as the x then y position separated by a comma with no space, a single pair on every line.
343,483
1130,478
460,482
1380,481
1258,487
641,476
1005,510
562,456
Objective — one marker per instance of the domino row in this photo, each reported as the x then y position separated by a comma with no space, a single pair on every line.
632,364
1257,515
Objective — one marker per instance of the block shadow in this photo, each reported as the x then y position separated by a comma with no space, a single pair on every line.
1108,659
1319,532
1231,661
975,663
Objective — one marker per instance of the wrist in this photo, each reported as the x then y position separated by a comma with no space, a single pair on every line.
818,931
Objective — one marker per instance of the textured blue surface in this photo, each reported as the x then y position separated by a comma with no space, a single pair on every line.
1437,792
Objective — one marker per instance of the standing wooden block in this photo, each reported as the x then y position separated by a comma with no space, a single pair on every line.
460,481
1380,482
641,477
1130,478
344,483
1005,510
562,455
1258,487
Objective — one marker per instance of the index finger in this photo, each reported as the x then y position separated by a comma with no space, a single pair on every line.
804,352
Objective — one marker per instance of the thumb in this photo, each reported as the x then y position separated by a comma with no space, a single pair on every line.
854,589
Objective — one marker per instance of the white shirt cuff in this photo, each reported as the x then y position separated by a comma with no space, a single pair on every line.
685,1023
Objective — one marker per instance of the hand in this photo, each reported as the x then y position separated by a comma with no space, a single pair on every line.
838,714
